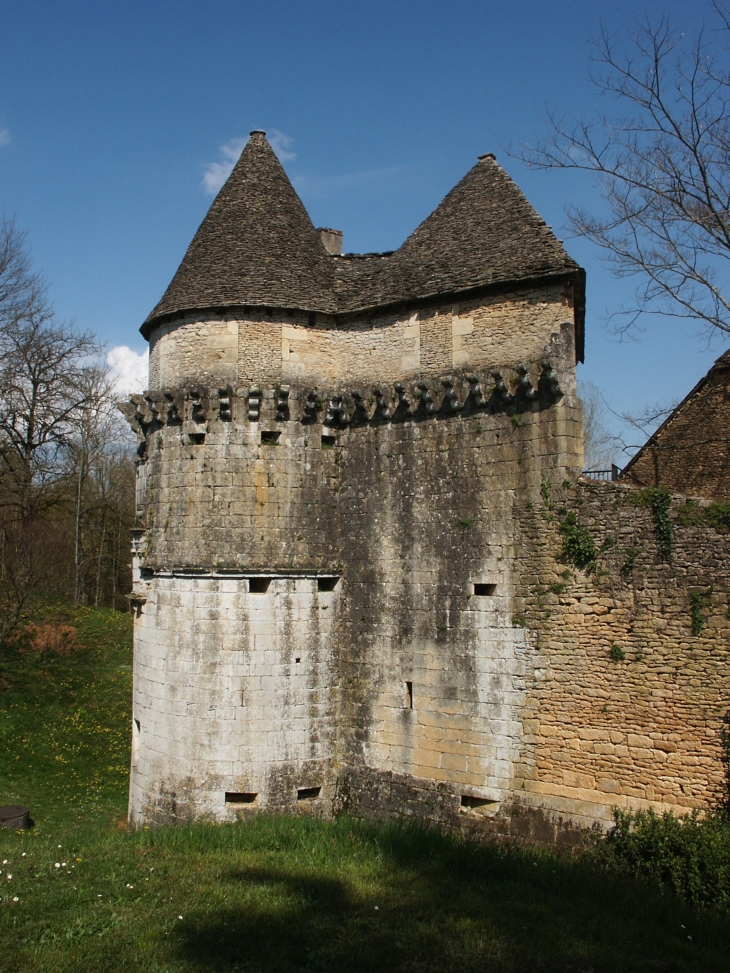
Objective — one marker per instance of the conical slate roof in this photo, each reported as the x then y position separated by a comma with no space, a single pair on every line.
257,246
484,231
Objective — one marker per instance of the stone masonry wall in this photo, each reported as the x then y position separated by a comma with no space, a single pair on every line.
368,522
627,702
265,347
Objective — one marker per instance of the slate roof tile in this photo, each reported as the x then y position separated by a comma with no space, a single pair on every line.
257,246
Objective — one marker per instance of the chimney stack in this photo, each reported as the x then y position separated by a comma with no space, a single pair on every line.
331,239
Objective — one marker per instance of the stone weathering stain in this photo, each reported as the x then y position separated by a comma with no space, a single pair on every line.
349,546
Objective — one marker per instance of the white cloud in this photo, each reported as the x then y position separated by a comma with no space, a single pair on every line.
216,173
281,144
4,137
128,369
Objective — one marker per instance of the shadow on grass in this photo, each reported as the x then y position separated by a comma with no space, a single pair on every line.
423,902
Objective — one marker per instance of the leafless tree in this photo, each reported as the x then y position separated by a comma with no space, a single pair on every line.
55,404
22,291
599,443
99,451
662,164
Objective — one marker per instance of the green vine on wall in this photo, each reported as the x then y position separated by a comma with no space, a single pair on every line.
579,548
698,600
659,499
629,561
725,758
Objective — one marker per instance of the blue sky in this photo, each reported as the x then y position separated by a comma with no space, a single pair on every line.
113,113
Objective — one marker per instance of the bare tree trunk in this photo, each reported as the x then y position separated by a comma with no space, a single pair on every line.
77,532
97,591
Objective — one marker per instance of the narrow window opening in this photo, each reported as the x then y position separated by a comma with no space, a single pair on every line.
308,793
241,797
196,438
137,724
484,589
327,584
409,694
270,438
259,586
298,659
328,442
468,801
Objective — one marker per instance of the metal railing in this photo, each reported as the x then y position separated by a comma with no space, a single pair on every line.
612,474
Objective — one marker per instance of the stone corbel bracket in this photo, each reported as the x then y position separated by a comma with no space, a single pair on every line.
254,404
549,386
336,416
450,401
501,390
524,384
225,404
312,408
283,413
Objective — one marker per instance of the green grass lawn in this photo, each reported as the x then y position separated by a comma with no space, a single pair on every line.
277,894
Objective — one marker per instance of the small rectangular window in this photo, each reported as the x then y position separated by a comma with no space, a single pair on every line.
196,438
138,725
241,797
481,589
328,442
270,438
259,586
409,695
327,584
468,801
308,793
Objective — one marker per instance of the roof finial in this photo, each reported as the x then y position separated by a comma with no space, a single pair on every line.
487,155
258,135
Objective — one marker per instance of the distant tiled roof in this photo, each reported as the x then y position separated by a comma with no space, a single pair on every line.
257,246
718,368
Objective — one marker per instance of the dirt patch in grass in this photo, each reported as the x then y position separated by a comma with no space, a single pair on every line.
50,637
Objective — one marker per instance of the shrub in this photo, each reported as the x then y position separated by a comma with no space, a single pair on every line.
717,515
689,855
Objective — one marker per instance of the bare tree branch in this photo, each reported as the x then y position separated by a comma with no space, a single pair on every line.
662,165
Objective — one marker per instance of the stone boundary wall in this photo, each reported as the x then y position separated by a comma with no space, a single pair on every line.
633,678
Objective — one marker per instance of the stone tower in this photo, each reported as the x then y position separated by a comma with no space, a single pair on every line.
331,453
